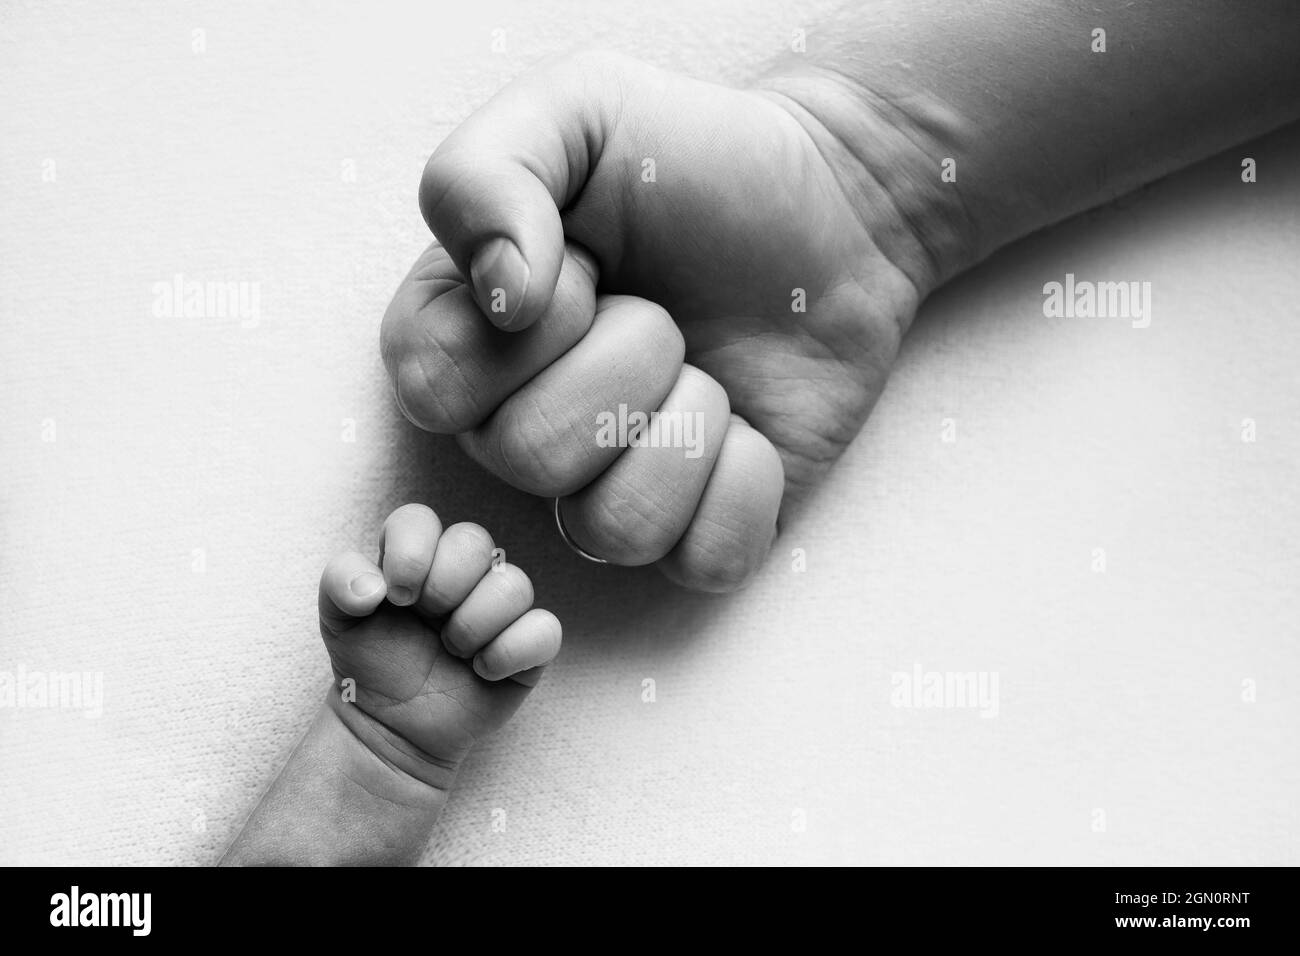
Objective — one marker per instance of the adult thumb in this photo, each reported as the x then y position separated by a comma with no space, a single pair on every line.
493,190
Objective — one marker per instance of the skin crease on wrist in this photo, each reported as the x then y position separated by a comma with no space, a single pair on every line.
929,236
340,781
1040,123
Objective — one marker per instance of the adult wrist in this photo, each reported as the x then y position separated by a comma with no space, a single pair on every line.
889,157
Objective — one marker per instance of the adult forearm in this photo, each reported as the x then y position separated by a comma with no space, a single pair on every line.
1033,115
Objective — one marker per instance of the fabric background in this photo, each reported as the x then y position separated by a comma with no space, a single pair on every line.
171,534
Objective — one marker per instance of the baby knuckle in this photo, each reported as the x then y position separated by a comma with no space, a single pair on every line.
404,566
499,659
552,634
514,584
413,511
478,537
459,636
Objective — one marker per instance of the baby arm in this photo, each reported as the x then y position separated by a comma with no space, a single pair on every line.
432,648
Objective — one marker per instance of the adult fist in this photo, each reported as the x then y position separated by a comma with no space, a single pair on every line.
565,209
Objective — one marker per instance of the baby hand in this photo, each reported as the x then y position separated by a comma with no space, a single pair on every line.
435,646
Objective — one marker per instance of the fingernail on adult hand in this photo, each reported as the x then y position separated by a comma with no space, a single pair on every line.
500,276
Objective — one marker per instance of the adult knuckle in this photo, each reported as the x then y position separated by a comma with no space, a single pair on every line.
539,454
628,524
